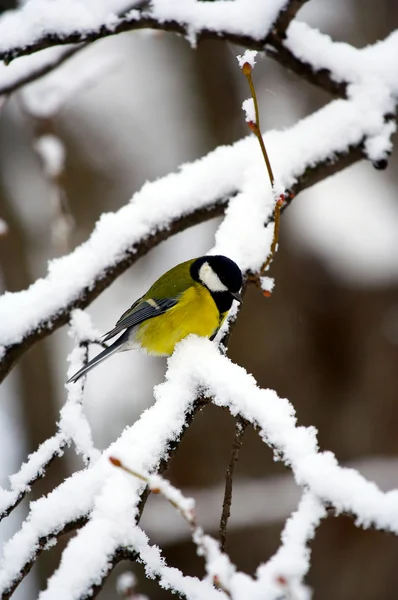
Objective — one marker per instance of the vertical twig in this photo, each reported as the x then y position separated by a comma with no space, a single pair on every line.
254,124
226,505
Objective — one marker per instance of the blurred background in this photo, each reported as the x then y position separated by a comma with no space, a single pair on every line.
130,109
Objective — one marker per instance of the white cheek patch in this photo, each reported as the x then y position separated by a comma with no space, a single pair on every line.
210,279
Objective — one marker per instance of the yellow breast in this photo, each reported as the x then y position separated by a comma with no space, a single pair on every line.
196,312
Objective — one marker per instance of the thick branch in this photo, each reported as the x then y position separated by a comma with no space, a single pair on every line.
272,44
287,15
311,176
89,293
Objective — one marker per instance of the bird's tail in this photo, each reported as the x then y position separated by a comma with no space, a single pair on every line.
115,347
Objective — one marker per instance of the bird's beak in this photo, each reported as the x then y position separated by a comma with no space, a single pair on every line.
237,296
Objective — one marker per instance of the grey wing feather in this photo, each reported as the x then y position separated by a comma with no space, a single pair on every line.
142,310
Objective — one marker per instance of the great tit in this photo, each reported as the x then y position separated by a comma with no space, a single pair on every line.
193,297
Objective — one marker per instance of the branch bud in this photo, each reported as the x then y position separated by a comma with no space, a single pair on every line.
246,68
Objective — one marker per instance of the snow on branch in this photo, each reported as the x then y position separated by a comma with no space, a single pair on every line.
73,427
105,503
111,499
40,26
351,129
33,469
30,68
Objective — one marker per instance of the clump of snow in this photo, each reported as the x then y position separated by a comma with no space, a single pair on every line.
249,57
267,284
249,110
82,328
73,422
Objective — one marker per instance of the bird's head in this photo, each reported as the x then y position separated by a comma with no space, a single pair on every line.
218,274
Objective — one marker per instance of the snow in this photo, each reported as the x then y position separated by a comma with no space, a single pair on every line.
291,562
73,422
111,496
267,284
248,57
29,471
233,388
73,425
249,110
63,17
39,17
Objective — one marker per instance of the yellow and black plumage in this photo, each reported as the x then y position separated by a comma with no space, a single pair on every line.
192,298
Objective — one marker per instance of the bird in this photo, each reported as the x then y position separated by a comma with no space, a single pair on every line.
193,297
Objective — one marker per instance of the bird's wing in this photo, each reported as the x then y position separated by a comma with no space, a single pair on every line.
140,311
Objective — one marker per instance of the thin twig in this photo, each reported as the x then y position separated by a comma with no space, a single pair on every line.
207,546
277,216
255,126
45,69
226,506
335,163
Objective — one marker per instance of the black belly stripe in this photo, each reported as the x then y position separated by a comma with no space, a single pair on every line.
223,301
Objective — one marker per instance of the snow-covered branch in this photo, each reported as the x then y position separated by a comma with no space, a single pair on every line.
73,427
106,502
247,23
74,22
350,130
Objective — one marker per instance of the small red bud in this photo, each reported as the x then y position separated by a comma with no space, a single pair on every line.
267,293
155,490
247,68
252,126
281,580
115,461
